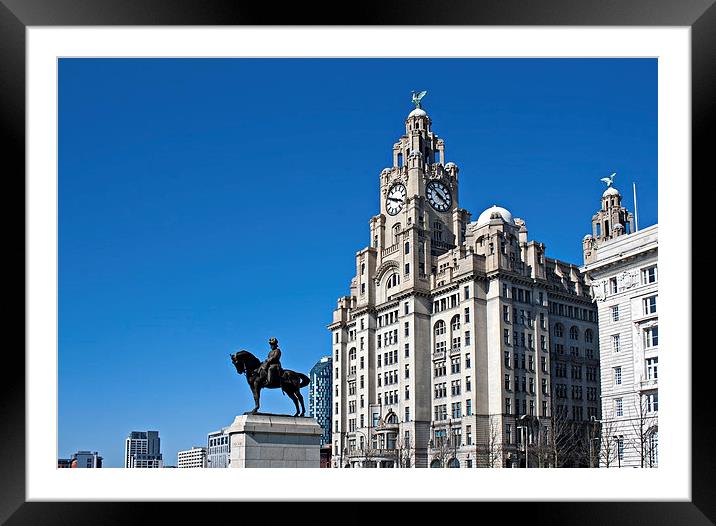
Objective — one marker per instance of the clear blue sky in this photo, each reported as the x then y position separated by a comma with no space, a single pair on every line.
208,204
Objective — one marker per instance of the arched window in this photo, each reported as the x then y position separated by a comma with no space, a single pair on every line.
440,328
436,464
653,445
455,323
589,336
558,330
396,233
453,463
393,280
573,333
392,418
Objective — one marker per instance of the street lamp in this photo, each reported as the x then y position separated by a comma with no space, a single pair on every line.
619,453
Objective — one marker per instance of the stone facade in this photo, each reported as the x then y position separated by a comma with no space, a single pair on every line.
445,339
274,441
621,265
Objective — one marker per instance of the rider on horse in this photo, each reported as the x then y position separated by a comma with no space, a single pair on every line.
271,366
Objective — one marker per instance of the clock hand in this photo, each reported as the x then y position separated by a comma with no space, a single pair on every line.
394,199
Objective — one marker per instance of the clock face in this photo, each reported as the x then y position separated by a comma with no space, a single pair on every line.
395,199
438,196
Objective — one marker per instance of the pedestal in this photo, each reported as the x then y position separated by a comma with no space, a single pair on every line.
274,441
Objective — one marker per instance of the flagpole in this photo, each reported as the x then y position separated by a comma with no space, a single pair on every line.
636,212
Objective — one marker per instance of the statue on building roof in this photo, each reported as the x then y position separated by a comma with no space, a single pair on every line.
609,180
417,97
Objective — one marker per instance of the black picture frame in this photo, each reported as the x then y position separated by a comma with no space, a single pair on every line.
699,15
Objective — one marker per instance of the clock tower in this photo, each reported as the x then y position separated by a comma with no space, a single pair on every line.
419,217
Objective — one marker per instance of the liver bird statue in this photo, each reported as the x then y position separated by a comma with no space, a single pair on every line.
609,180
417,97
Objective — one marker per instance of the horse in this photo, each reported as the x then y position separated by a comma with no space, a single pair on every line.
289,381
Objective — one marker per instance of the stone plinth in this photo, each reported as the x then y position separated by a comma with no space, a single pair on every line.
274,441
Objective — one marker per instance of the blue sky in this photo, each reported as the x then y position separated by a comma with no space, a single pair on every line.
208,204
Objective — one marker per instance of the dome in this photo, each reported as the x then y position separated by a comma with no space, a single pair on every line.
450,165
495,212
588,236
418,112
610,191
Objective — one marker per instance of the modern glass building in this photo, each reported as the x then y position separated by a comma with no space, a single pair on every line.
319,401
142,450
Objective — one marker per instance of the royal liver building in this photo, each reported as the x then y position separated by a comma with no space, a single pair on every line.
461,344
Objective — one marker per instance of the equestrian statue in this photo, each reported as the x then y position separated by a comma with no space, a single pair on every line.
270,375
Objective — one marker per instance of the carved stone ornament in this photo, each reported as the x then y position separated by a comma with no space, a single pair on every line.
627,280
599,290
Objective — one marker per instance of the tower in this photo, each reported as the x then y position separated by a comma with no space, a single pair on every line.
441,350
611,221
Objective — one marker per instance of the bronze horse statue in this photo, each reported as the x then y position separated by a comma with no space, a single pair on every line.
289,381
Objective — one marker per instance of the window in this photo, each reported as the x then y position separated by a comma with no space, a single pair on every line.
440,328
543,342
615,313
613,285
455,323
648,275
508,433
467,338
467,293
652,365
507,359
407,350
407,415
558,330
455,365
618,407
407,371
653,448
649,305
589,336
617,376
407,329
468,407
407,247
467,315
508,406
507,382
652,402
468,384
615,343
651,337
507,336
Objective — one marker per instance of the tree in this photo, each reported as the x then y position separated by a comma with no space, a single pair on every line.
493,444
644,425
403,452
569,440
607,449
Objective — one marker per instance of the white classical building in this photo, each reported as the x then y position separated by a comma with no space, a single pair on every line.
448,347
621,265
192,458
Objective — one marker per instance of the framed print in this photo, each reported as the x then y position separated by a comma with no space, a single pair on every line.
200,177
